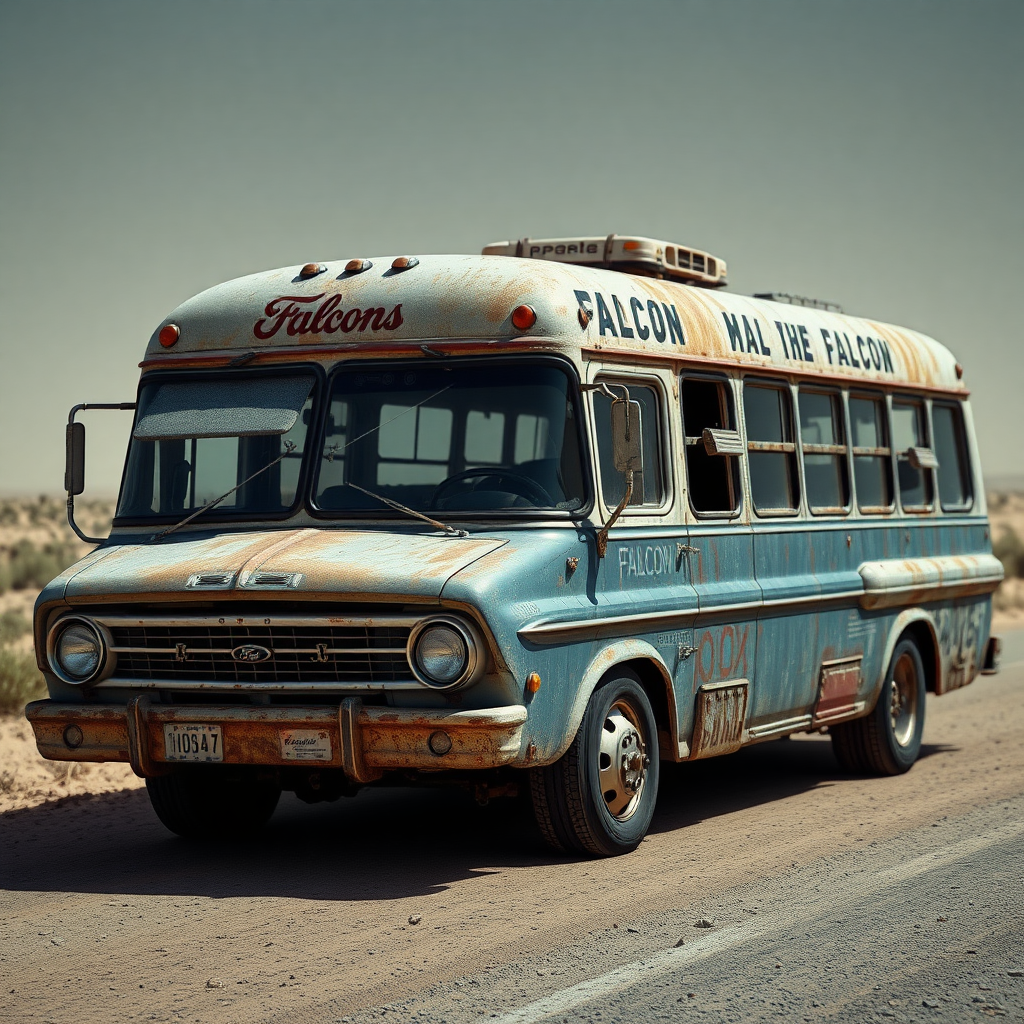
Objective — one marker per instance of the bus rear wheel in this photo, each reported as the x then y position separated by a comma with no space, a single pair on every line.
213,803
599,797
888,741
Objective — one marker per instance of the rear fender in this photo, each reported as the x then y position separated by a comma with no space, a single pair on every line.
921,621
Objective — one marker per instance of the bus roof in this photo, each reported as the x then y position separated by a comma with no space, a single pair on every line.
452,304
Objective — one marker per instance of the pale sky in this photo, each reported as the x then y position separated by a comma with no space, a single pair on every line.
868,153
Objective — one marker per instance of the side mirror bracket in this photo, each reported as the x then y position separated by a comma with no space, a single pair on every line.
74,460
627,448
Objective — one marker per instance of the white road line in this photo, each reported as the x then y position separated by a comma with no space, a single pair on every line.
764,924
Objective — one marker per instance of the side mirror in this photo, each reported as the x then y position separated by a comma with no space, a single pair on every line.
627,436
74,465
74,460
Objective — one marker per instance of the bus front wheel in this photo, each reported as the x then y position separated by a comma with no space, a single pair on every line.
599,797
888,741
213,803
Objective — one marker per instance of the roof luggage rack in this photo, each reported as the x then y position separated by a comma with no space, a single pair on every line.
631,254
799,300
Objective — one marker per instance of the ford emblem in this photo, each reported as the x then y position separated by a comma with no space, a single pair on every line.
251,653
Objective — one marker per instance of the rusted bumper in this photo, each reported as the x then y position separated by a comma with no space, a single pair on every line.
364,741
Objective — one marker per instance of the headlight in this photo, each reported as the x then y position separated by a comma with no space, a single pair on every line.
77,650
445,653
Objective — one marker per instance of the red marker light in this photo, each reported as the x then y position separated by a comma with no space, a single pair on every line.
523,317
168,335
533,682
357,266
312,269
404,263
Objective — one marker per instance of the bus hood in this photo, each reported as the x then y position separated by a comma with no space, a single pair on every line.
349,564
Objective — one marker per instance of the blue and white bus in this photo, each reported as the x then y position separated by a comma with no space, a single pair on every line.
533,520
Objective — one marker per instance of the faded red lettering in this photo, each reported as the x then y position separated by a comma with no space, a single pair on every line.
706,674
286,311
394,320
324,312
349,321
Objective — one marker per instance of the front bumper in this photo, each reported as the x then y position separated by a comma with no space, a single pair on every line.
364,741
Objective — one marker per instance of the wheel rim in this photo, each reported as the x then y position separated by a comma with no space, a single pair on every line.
622,760
903,696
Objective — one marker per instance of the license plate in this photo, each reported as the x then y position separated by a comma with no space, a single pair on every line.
186,741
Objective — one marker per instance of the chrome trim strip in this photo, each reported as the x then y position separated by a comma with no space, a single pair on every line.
386,619
275,650
759,732
552,632
297,688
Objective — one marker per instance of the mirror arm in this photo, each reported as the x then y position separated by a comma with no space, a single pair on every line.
68,483
602,534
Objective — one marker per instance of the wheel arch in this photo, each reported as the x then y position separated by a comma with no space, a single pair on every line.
918,624
644,660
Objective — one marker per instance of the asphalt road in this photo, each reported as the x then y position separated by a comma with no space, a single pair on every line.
827,897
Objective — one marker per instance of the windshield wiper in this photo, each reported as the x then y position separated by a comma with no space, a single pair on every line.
289,447
397,505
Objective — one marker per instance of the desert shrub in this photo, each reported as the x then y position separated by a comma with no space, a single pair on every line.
29,566
13,625
9,515
20,680
1009,549
45,510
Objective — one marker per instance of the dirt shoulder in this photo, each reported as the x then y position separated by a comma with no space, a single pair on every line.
312,920
27,779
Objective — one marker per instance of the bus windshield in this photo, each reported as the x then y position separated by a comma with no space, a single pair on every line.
449,439
195,439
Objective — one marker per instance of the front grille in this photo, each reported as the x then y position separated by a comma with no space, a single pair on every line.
301,651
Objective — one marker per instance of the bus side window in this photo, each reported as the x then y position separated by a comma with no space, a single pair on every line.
771,450
648,485
951,454
712,479
872,468
824,451
908,431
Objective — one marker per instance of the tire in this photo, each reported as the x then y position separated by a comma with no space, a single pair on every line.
213,803
599,797
888,741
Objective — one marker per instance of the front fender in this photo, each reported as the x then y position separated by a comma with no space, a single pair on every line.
607,658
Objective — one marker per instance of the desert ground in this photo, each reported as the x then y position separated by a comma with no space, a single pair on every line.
898,897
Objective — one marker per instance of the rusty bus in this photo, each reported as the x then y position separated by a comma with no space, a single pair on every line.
541,518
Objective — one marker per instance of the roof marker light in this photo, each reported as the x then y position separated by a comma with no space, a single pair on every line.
357,266
312,269
404,263
524,317
168,335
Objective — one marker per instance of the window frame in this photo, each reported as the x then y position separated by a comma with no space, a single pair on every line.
880,452
807,448
964,450
727,391
613,375
918,401
773,447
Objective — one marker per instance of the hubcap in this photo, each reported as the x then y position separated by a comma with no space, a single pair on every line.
623,760
903,700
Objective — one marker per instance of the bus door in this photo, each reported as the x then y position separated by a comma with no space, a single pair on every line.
721,566
644,576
